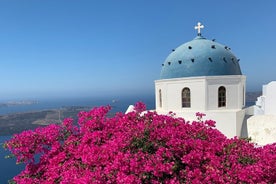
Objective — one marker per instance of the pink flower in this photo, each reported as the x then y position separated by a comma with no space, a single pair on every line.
140,107
200,115
139,148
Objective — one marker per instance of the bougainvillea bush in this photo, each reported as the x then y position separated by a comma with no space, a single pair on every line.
138,148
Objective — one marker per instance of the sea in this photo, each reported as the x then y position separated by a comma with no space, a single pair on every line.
8,166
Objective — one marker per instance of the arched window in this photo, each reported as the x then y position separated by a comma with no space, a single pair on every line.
186,97
243,96
221,96
160,98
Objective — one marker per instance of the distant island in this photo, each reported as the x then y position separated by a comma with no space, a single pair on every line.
16,103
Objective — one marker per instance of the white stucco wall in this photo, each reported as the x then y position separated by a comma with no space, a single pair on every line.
266,103
262,129
270,100
235,91
204,98
229,122
261,126
204,92
171,90
254,110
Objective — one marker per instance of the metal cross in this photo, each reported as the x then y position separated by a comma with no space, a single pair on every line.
198,27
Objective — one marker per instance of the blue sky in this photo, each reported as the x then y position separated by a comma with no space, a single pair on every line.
66,48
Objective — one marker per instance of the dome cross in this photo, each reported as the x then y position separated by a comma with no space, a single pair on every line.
198,27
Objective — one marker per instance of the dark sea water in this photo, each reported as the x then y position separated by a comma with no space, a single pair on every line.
117,103
8,168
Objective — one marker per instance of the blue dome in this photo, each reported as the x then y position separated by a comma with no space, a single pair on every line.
200,57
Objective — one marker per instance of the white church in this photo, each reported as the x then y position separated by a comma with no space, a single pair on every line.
204,76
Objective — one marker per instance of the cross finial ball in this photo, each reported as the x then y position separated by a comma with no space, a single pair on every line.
198,27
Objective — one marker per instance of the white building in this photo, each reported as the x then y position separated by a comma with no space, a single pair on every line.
203,76
261,126
266,102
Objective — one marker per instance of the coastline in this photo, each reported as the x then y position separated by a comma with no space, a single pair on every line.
17,122
15,119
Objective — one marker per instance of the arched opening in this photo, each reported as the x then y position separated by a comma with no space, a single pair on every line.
186,98
243,96
221,96
160,98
